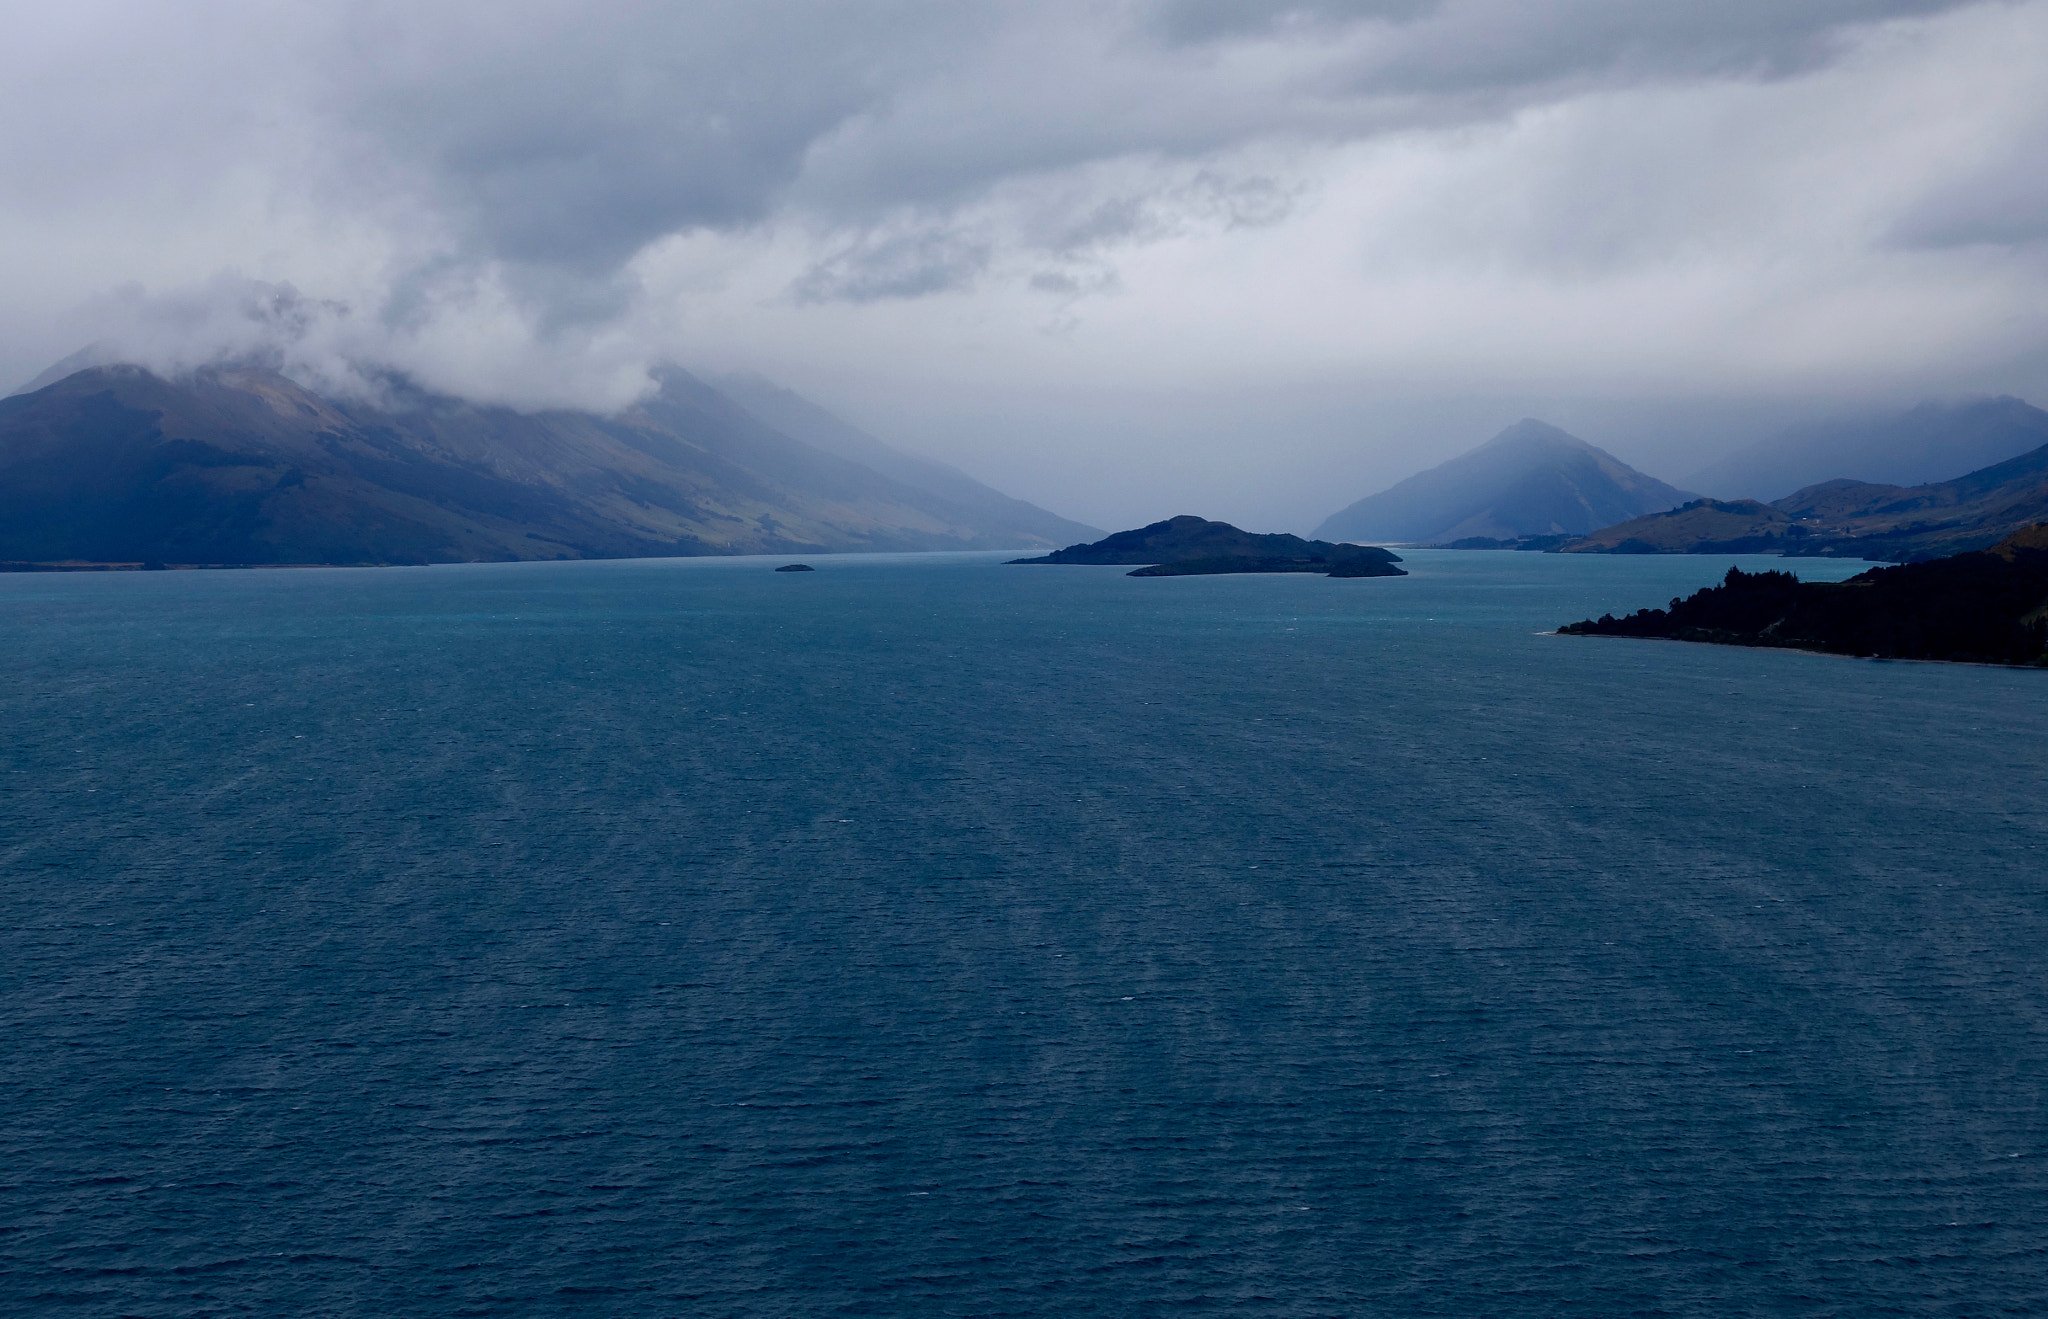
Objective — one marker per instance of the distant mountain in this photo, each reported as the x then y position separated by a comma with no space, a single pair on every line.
1848,518
1188,546
1531,479
98,354
1933,442
241,465
796,416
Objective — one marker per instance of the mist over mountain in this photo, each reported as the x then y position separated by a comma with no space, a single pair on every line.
1931,443
96,354
796,416
1849,518
240,464
1532,479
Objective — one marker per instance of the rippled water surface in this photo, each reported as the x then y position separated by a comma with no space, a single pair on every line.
924,936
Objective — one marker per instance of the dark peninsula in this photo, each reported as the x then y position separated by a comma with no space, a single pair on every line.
1985,606
1190,546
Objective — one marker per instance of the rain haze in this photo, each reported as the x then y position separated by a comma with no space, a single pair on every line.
1121,259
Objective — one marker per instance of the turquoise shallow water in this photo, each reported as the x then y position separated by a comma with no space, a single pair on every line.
928,936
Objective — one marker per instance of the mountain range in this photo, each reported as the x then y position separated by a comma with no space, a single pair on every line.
1930,443
103,462
1853,518
1531,480
240,465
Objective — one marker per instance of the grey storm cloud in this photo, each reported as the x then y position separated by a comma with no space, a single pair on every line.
572,135
895,266
2000,200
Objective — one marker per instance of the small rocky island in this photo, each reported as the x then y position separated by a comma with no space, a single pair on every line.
1986,606
1190,546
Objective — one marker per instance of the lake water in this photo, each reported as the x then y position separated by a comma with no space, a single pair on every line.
924,936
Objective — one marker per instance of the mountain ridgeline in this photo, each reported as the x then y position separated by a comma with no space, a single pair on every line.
1849,518
240,465
1531,480
1535,487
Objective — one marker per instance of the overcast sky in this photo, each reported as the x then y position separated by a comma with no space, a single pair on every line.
1126,258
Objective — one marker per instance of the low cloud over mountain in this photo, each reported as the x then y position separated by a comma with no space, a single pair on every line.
241,465
1932,442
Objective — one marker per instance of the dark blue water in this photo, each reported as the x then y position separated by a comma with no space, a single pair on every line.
923,936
